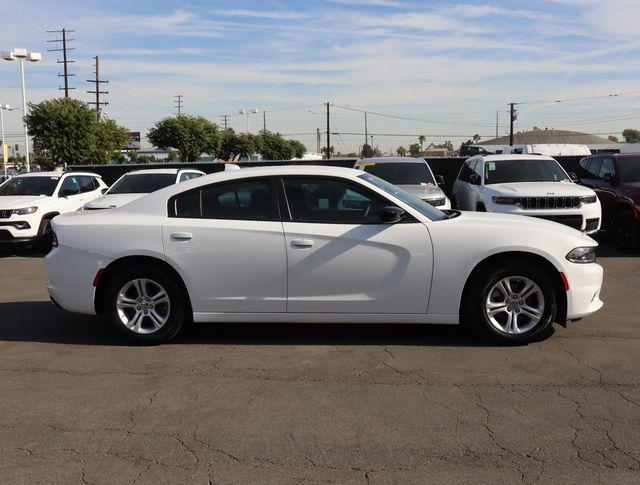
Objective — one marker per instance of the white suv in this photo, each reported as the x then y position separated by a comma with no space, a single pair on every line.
29,201
530,185
135,184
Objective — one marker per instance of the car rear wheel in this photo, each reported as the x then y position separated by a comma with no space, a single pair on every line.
514,304
627,232
146,305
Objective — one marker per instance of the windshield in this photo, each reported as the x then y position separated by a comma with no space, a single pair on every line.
503,171
142,183
629,169
29,186
420,205
401,173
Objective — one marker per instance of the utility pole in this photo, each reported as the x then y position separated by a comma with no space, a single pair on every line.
513,115
496,123
224,120
264,120
318,140
366,138
65,60
328,134
178,104
97,81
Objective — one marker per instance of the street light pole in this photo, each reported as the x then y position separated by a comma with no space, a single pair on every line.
4,144
247,112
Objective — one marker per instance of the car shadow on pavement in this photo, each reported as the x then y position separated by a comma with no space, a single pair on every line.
40,321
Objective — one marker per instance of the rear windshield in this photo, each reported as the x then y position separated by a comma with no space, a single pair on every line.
503,171
401,173
142,183
629,169
29,186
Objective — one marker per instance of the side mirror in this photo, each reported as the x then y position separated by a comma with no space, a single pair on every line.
439,179
391,214
573,176
475,179
609,178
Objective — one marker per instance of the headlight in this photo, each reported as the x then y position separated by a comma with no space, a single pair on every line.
506,200
582,255
435,202
23,211
589,199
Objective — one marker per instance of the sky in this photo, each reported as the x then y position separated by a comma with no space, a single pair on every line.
442,69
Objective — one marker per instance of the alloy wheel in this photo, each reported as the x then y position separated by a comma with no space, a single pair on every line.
143,306
515,305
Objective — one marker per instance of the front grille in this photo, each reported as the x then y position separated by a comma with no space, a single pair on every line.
5,214
571,221
592,224
550,202
435,202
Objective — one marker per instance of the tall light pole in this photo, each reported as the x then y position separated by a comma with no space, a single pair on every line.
5,152
23,54
247,112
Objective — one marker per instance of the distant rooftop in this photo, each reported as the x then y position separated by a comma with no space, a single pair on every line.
543,136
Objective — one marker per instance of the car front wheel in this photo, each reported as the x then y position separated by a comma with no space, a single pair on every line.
146,305
515,304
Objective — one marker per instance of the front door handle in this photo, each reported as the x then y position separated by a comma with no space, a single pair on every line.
302,243
181,236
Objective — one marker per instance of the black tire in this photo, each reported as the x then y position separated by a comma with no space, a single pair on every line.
44,241
480,207
454,202
177,311
483,283
627,232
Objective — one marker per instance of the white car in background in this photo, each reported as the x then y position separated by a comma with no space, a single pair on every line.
413,175
528,185
316,244
29,201
135,184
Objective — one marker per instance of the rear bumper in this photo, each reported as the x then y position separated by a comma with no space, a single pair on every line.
583,297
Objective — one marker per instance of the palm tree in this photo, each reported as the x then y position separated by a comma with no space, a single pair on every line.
476,138
421,139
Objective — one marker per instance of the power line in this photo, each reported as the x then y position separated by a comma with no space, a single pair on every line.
96,89
65,60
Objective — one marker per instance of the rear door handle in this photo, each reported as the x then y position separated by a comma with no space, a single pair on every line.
302,243
181,236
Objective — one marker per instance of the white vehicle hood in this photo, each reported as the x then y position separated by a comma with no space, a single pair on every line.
111,201
541,189
18,201
423,191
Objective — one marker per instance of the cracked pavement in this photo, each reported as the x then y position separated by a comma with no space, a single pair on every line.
284,404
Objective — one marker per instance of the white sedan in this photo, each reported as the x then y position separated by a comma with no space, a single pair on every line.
316,244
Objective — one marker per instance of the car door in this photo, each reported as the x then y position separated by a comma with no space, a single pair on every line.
476,185
591,172
70,195
227,239
461,186
342,259
604,188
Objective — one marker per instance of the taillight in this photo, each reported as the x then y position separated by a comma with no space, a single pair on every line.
54,240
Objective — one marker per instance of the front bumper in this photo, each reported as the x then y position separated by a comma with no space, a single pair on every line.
585,284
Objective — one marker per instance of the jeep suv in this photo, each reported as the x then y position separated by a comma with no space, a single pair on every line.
616,180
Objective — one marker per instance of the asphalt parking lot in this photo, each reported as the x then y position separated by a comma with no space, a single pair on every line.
325,403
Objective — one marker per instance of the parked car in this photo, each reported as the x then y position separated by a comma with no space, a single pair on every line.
282,244
527,185
28,203
413,175
616,180
137,183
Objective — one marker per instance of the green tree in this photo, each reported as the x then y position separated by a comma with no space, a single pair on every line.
447,144
414,150
190,135
613,139
273,147
67,131
233,144
298,148
421,139
401,151
631,136
133,156
109,139
366,151
324,151
172,156
476,138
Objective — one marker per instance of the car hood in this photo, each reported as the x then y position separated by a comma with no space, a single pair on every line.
423,191
111,201
541,189
18,201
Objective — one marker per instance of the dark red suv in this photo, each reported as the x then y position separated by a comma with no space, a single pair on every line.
616,180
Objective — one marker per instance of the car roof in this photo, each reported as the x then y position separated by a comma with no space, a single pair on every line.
497,158
390,160
155,170
55,174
